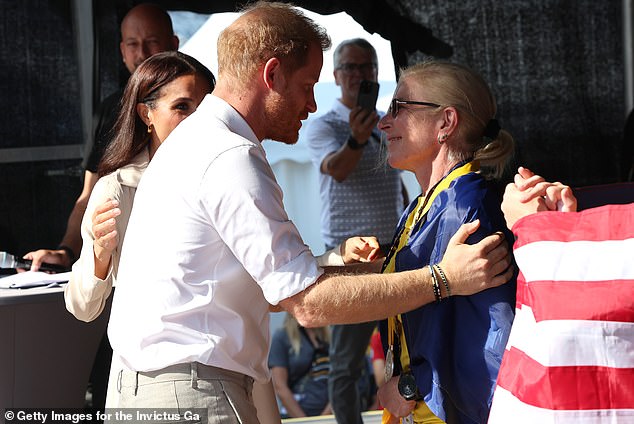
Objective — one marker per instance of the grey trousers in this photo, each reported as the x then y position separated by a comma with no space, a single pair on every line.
348,347
187,389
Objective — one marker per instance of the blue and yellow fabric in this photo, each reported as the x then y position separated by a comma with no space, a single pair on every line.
453,348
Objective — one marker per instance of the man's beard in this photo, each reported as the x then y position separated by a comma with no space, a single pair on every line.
281,120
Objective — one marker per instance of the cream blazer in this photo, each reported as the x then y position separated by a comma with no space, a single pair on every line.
85,295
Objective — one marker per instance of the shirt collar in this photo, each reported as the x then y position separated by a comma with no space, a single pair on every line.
224,112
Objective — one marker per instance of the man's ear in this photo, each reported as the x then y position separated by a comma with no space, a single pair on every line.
272,72
175,42
337,82
144,113
121,51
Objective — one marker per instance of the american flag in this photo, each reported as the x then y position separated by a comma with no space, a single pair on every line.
570,355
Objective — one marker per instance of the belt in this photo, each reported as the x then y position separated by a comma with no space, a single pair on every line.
192,371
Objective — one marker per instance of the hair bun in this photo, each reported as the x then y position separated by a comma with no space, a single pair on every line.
492,130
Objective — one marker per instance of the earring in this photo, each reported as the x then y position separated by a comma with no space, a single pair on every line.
442,138
149,128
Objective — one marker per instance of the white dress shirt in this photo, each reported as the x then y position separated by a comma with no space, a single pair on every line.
207,248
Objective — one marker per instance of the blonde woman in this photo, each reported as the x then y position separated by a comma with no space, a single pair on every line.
299,364
441,126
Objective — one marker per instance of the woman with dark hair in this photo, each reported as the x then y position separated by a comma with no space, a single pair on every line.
135,128
164,90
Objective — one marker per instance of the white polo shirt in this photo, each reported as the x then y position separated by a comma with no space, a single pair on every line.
208,246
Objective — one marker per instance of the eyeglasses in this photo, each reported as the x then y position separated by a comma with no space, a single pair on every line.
364,68
395,103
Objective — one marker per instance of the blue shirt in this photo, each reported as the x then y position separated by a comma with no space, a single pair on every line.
307,380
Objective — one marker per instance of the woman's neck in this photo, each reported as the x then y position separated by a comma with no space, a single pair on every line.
153,146
429,176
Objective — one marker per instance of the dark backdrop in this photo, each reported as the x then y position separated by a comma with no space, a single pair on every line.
40,107
556,68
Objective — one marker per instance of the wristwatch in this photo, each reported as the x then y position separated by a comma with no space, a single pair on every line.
407,386
354,144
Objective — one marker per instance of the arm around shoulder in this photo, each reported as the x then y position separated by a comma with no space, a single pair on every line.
343,299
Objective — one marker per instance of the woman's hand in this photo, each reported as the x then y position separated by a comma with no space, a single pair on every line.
392,400
50,256
556,196
360,249
530,193
104,229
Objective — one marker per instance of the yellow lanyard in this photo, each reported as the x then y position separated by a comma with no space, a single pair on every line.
423,206
395,324
418,213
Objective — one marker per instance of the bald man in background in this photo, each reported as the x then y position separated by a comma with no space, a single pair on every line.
145,30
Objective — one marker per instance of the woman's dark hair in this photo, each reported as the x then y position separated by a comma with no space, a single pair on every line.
144,86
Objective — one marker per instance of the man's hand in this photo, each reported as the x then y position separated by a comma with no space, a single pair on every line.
392,400
473,268
339,164
362,122
360,249
50,256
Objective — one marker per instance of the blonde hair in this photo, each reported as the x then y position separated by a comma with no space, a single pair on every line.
266,30
450,84
292,328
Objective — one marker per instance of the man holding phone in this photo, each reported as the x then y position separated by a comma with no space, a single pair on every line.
361,195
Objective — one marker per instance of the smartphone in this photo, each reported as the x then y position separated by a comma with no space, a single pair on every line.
368,93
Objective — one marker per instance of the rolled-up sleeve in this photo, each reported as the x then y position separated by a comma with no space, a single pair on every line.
244,203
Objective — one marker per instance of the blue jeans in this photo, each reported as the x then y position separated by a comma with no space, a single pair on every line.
348,347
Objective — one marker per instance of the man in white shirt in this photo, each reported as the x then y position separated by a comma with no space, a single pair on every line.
209,245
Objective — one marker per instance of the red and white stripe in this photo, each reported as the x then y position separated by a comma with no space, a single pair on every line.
570,355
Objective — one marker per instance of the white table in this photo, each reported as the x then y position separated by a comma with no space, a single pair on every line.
46,354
